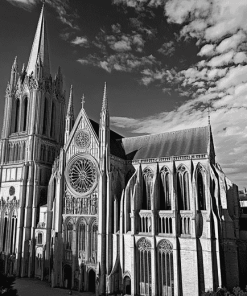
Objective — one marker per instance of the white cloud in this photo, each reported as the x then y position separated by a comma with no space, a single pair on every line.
207,50
81,41
231,42
221,60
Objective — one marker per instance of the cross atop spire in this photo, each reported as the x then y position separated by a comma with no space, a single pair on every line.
82,101
40,47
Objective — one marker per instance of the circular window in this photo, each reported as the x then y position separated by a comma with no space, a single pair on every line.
81,174
12,190
82,139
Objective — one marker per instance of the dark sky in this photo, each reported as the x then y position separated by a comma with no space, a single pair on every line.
165,63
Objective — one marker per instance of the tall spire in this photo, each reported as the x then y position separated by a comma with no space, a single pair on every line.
40,48
70,111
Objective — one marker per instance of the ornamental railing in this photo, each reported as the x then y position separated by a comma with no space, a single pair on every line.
165,222
145,221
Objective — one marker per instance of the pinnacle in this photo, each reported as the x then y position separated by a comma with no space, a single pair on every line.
105,100
70,111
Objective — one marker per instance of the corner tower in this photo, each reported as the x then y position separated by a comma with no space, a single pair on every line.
32,134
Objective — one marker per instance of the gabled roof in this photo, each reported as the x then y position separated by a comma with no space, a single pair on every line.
183,142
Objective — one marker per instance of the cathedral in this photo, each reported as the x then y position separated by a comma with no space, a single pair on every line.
90,210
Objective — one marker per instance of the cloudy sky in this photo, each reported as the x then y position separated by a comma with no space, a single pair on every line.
165,62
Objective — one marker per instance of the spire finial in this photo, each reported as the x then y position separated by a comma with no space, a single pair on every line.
82,101
104,103
209,115
70,111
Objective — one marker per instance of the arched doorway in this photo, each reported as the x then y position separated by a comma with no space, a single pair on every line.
67,276
91,281
127,285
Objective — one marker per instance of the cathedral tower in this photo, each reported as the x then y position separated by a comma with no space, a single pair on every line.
33,132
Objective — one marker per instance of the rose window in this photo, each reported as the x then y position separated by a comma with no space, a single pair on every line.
81,175
82,139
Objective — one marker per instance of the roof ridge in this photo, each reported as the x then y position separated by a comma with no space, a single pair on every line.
149,135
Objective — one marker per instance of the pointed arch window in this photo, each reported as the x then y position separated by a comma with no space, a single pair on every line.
82,239
45,117
13,233
5,231
201,191
147,188
69,235
53,120
183,189
165,268
165,198
25,114
17,115
94,242
145,280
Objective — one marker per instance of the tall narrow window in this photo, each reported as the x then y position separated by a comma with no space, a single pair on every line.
45,116
145,280
17,110
25,114
147,188
13,234
69,236
183,189
201,192
165,268
40,238
53,120
94,242
5,229
165,200
82,239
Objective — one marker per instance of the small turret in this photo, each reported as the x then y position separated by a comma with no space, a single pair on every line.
14,74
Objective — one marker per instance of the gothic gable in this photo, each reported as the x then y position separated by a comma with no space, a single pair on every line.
83,138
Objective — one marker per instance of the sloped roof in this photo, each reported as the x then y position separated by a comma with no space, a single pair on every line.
183,142
116,148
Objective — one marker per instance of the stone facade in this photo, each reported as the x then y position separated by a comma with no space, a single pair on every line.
88,209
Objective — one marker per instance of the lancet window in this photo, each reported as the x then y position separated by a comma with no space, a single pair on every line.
5,231
147,188
94,242
165,267
183,189
45,117
25,114
165,198
17,115
69,235
201,191
144,252
53,120
82,239
13,233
